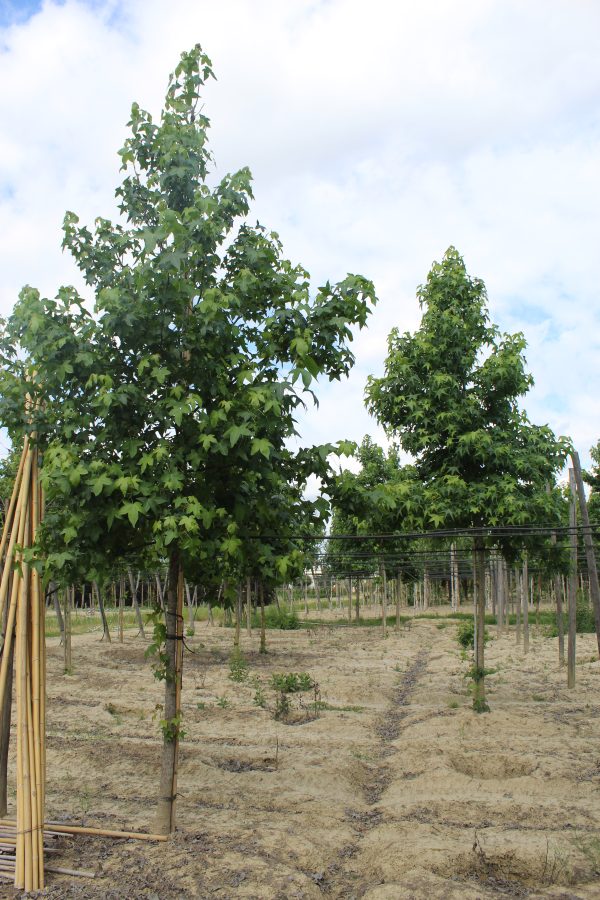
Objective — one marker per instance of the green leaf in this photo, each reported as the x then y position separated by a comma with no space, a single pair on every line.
132,511
262,446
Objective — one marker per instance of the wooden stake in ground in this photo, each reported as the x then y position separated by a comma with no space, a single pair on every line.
22,607
525,604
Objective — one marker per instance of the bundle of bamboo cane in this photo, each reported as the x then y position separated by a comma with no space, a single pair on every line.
22,609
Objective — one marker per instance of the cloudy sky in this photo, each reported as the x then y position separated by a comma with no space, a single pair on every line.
378,134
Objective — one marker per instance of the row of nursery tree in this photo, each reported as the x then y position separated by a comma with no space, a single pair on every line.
165,411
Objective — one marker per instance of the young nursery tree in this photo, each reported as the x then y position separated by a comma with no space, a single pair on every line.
450,396
164,416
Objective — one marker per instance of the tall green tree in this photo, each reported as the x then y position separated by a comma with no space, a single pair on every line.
165,415
450,396
592,477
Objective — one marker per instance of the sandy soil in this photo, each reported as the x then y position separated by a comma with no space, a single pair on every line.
397,791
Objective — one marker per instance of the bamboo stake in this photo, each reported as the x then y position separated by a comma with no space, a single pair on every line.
56,828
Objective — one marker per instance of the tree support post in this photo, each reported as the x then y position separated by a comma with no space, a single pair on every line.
590,554
165,814
479,701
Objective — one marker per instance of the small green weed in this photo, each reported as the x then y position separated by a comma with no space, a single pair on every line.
238,667
114,712
282,706
322,704
259,698
589,847
223,702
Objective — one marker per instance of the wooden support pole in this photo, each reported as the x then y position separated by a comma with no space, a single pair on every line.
572,597
590,554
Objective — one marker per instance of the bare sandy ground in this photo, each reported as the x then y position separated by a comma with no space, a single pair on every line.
397,791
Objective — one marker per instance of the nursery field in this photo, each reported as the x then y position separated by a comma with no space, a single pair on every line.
381,783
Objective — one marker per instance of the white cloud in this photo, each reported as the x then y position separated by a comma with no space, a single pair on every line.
378,135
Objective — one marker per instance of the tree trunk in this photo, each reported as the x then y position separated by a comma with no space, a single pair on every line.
479,702
263,639
517,605
571,643
138,613
248,607
105,628
58,611
165,813
121,608
68,659
589,545
238,617
383,599
190,606
560,623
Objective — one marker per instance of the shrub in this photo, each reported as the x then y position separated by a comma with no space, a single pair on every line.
584,617
292,682
281,618
465,634
238,667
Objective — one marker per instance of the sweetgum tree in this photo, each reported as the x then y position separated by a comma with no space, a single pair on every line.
164,415
450,395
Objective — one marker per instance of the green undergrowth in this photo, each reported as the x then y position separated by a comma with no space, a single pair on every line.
82,622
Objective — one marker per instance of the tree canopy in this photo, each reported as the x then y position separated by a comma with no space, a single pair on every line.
450,396
165,415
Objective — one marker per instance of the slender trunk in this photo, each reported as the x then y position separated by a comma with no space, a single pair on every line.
357,599
68,659
105,628
517,605
58,611
317,589
349,600
238,617
191,613
479,701
571,644
263,637
383,599
501,592
560,622
165,813
160,590
398,598
248,608
138,613
121,608
589,545
525,605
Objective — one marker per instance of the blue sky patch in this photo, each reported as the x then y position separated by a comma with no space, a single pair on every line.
15,12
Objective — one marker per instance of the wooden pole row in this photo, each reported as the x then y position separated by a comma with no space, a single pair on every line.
22,598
